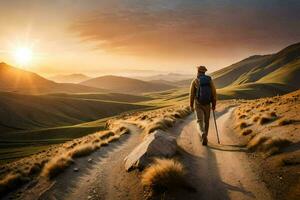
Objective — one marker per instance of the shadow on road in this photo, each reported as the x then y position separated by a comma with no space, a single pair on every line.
232,148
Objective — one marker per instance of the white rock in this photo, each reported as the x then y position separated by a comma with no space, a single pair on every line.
157,144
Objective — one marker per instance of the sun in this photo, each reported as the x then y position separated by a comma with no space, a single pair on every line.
23,55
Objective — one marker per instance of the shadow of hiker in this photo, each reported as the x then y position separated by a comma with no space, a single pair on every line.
232,148
203,176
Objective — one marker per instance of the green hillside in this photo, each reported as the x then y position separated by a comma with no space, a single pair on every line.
30,123
23,112
261,76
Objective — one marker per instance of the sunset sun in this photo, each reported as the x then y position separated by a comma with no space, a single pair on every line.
23,55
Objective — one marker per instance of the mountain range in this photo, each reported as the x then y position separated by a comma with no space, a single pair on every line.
70,78
17,80
125,85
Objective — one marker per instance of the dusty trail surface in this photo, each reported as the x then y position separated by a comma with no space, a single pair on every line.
102,178
216,171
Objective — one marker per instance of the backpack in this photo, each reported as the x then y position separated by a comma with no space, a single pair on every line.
204,91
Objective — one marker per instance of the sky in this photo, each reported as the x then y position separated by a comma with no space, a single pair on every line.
143,36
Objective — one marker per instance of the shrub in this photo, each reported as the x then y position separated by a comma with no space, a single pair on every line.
247,132
256,118
256,142
11,182
107,134
265,120
56,166
278,143
242,116
82,150
243,125
273,114
164,174
284,122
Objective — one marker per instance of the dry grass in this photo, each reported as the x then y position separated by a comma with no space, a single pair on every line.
57,158
106,134
247,132
56,166
273,114
284,122
243,125
256,118
164,174
265,119
11,182
267,144
256,142
278,143
82,150
242,116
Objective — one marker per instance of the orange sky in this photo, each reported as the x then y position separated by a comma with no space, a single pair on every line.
113,36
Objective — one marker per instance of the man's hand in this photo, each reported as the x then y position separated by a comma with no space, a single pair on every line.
213,107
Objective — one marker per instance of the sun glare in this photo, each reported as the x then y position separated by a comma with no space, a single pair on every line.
23,55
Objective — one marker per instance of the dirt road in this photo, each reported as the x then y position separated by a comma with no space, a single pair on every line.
216,171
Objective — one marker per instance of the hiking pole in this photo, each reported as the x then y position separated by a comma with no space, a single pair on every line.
216,126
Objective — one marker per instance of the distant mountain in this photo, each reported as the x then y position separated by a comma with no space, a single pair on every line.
261,75
18,80
125,85
172,77
70,78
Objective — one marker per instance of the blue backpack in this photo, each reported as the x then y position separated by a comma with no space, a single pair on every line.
204,92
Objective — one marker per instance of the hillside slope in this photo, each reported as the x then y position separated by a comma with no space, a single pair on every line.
125,85
261,76
17,80
26,112
71,78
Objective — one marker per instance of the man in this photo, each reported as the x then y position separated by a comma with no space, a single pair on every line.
203,96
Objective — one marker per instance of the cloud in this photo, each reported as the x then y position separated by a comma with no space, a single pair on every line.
187,30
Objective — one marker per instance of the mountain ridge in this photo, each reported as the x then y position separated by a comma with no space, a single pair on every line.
125,84
22,81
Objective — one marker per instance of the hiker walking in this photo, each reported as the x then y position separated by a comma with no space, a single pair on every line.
202,98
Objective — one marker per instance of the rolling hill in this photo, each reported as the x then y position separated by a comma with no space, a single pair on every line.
17,80
170,77
261,75
125,85
26,112
258,76
71,78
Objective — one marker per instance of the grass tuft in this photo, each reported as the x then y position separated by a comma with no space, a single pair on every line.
256,142
82,150
284,122
164,174
243,125
264,120
247,132
11,182
56,166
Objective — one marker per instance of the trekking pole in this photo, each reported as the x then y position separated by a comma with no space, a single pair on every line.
216,126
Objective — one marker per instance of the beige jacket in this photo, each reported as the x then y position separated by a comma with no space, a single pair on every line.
193,90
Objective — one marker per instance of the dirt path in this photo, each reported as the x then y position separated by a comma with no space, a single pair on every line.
217,171
103,178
